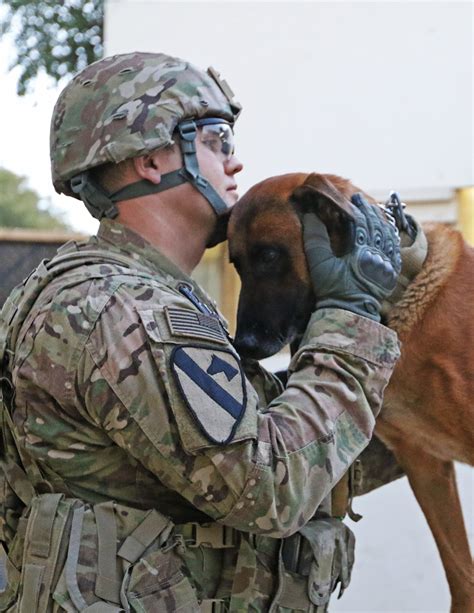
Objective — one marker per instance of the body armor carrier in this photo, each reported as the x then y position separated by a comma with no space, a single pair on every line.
46,534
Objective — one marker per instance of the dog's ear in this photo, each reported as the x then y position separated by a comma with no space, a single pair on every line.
319,195
318,191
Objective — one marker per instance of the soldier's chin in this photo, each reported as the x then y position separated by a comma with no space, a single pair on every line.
219,234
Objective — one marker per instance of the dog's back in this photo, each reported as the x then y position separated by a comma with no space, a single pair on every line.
432,387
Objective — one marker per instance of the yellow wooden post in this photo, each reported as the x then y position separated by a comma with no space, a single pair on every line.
465,199
230,289
218,278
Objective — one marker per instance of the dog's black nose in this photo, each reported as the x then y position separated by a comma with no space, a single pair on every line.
247,344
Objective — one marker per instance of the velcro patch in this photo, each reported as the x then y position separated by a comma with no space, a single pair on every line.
213,386
184,322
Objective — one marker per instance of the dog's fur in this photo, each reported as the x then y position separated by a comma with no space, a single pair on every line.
427,417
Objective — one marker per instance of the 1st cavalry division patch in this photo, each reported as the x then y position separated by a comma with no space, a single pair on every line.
213,387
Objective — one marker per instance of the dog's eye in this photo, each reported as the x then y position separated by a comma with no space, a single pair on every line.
268,259
269,255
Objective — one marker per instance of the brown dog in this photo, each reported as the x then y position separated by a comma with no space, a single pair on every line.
427,417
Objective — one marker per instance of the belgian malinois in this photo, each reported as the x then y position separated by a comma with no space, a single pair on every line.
427,415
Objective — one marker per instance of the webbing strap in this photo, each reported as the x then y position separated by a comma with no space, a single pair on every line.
72,559
33,574
214,535
43,549
155,524
18,481
3,569
213,605
10,579
107,584
146,188
102,607
42,529
9,575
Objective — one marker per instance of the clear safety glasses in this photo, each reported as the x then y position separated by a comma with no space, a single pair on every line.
217,135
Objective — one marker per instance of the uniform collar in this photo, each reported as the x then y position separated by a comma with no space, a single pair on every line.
123,240
128,241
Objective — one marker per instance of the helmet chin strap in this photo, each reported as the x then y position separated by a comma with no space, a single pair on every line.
102,204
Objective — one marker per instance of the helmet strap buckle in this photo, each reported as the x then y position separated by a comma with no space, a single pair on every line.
201,181
187,130
97,201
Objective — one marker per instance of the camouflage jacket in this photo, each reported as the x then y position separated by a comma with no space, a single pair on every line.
128,389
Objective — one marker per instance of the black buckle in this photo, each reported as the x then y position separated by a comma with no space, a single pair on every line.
396,208
187,130
77,183
97,202
290,552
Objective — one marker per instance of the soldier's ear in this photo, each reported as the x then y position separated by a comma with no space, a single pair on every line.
149,167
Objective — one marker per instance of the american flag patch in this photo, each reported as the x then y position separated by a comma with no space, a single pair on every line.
184,322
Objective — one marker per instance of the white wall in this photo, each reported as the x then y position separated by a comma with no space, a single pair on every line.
380,92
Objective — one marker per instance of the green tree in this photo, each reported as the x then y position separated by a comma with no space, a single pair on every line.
60,38
19,206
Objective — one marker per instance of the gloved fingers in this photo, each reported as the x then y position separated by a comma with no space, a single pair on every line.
381,233
315,234
327,273
367,219
392,247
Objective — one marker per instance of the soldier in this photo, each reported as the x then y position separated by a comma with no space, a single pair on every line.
155,473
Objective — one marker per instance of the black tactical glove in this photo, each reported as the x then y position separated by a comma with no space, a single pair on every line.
362,278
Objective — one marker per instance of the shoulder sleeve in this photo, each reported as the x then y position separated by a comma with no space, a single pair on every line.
190,416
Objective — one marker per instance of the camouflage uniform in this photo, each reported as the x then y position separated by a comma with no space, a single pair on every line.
100,409
160,473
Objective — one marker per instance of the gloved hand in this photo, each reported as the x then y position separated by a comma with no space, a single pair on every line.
361,279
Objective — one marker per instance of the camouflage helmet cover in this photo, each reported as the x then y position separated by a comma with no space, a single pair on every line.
126,105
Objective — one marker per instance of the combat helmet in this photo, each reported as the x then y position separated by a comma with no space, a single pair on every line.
128,105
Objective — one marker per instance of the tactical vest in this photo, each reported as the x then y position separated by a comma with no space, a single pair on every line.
20,475
55,546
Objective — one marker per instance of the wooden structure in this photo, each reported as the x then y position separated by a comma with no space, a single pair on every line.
22,250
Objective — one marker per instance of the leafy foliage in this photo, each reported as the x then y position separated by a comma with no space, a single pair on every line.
19,206
59,37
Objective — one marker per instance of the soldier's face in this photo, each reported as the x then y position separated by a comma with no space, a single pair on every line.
218,169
